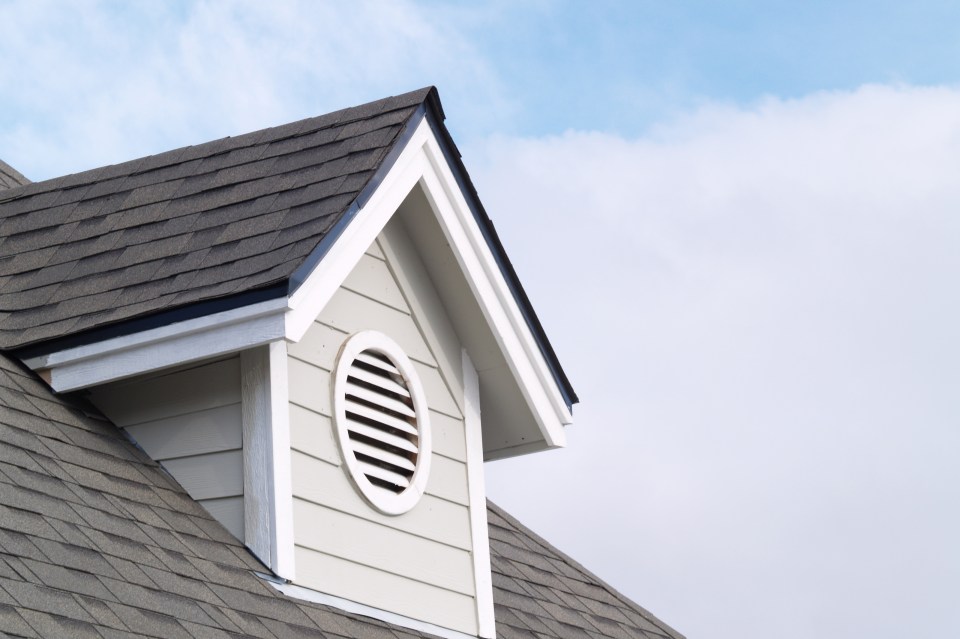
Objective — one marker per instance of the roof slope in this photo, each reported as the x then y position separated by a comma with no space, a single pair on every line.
10,177
97,541
198,223
540,592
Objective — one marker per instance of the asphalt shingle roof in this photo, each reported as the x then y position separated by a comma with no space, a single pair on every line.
161,237
10,177
96,540
193,224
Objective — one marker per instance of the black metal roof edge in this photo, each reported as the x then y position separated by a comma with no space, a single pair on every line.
300,275
141,323
435,117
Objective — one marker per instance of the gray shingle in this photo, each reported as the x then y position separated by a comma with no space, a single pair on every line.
146,623
144,211
73,581
100,611
41,598
12,624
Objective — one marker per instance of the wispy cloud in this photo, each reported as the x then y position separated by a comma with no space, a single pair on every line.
758,307
86,84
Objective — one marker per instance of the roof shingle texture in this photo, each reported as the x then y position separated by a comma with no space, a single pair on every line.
96,540
10,177
198,223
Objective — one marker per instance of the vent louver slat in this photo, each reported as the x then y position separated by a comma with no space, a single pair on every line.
379,381
394,481
377,362
380,411
366,413
382,422
384,456
386,438
379,399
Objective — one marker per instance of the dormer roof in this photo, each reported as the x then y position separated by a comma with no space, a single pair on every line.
206,228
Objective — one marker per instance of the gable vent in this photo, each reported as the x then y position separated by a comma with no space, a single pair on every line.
382,422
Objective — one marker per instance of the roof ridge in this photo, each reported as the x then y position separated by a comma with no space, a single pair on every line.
646,614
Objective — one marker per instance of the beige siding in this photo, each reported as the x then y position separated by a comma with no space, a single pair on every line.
407,597
189,421
417,564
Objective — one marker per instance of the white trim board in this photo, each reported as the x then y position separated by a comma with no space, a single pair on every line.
267,484
483,578
179,343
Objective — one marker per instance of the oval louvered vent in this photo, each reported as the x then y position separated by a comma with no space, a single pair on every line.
382,422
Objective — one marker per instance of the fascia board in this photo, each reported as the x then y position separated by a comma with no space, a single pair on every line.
150,350
497,300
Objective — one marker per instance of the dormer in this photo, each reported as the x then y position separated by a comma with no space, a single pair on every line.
316,331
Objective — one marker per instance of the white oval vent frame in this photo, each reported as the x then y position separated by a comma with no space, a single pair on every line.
382,422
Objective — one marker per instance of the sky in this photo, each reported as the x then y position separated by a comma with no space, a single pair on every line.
738,223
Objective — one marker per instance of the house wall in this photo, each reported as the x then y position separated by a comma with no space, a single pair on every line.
418,564
189,420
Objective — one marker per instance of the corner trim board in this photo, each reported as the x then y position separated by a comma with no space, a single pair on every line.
483,578
267,489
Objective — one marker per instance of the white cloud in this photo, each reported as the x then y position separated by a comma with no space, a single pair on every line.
759,308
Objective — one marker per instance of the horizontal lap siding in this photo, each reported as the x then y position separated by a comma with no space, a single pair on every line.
418,564
190,422
407,597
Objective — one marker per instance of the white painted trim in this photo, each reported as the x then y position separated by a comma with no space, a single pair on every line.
382,500
522,353
179,343
312,296
483,579
267,484
314,596
422,161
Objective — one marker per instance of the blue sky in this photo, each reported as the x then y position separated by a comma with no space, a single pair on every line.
620,67
536,68
737,222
